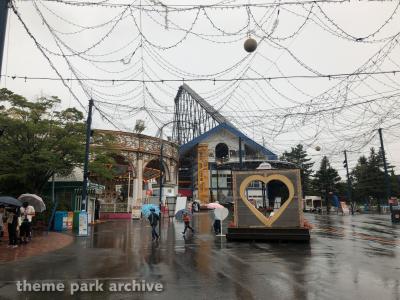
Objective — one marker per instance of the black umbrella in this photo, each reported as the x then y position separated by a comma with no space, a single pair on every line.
7,200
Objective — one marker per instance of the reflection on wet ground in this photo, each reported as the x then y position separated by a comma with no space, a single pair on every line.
349,257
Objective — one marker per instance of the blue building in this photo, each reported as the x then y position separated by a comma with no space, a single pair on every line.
210,149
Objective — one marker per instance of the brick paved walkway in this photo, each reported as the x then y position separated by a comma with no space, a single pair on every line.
42,242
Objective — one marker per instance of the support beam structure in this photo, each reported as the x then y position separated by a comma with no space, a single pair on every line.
3,28
190,109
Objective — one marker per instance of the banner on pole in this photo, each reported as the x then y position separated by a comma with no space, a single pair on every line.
202,173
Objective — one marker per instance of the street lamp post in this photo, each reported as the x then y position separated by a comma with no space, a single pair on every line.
218,163
161,178
84,202
217,167
162,168
4,4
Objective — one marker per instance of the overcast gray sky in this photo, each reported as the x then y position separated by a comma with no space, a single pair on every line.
155,41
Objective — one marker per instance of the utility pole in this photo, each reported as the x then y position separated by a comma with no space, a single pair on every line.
161,178
86,162
52,189
387,182
346,165
3,27
240,154
217,167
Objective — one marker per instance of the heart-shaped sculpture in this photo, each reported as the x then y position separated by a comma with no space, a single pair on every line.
260,216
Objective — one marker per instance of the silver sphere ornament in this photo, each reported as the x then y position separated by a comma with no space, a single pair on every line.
318,148
250,45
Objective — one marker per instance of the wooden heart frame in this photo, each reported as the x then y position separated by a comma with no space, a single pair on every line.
265,179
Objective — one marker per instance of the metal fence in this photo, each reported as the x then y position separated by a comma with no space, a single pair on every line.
114,207
153,200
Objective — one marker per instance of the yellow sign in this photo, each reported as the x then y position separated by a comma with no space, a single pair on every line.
202,173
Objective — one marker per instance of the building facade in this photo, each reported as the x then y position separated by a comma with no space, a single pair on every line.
206,162
137,169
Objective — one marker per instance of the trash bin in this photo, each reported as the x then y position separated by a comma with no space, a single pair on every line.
80,223
60,220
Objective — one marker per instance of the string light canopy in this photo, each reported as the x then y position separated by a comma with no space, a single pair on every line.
263,90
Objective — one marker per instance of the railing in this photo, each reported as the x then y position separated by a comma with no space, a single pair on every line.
254,157
114,207
235,158
153,200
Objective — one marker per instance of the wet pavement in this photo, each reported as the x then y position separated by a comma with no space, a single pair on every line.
42,243
349,257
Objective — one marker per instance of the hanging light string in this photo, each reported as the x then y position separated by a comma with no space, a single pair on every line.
327,76
64,82
189,7
325,118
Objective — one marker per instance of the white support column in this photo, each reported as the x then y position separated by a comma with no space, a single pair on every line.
135,193
139,183
129,206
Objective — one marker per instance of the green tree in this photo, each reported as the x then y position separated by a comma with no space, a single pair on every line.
40,140
368,178
326,180
299,157
102,157
360,179
341,189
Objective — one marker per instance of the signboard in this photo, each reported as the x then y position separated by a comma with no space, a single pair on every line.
202,173
70,220
181,203
83,224
136,212
65,222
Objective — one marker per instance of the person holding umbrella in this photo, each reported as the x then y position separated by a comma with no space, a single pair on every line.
2,214
12,224
153,219
27,213
32,204
186,220
12,214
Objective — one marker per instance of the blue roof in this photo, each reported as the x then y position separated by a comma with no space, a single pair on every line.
252,144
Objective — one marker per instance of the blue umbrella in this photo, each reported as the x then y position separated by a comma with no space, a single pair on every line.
146,209
7,200
335,201
179,214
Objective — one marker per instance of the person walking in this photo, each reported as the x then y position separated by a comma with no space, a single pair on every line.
153,219
217,226
12,223
186,220
27,213
2,215
96,210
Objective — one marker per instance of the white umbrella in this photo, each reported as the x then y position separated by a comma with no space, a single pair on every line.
34,200
214,205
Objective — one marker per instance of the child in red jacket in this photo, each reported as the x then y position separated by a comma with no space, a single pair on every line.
186,220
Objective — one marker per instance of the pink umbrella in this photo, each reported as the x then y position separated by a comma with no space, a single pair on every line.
214,205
